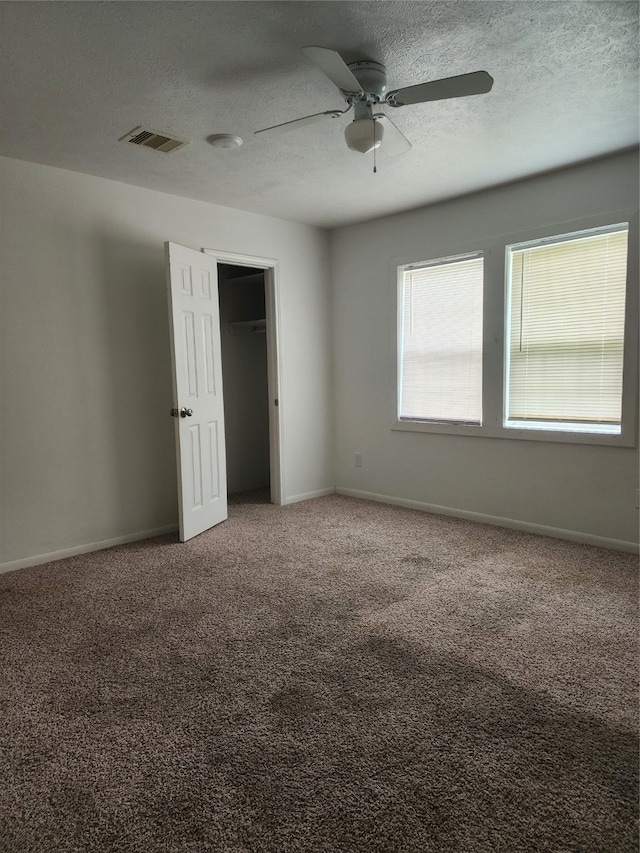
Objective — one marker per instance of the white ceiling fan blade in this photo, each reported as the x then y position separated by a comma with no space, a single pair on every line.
333,65
476,83
299,122
394,142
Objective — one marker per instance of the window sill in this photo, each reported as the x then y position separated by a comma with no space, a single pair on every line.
487,431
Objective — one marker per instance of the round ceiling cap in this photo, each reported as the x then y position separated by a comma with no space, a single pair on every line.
224,140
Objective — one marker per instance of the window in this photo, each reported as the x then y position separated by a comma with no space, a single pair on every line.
534,340
565,332
440,353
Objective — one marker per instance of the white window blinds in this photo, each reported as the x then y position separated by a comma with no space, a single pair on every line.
565,331
441,341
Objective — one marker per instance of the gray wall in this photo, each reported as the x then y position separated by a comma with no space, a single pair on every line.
86,442
86,445
578,490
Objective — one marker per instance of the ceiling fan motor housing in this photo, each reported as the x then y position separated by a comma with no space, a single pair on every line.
364,134
372,77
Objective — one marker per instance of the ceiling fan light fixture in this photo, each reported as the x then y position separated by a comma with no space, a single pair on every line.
363,135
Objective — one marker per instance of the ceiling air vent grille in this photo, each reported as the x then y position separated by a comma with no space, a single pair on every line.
153,139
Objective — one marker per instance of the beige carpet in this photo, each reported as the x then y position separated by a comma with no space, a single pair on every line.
332,676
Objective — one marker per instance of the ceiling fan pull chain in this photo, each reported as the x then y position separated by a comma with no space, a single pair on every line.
375,124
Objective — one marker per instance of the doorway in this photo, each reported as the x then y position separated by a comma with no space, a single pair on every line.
241,292
247,288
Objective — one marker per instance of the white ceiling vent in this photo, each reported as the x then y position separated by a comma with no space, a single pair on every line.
153,139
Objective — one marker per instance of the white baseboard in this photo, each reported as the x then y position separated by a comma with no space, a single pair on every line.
320,493
513,524
38,559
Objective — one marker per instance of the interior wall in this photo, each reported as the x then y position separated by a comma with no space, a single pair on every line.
582,491
244,377
86,441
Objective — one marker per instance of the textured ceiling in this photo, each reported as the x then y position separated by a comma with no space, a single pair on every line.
77,76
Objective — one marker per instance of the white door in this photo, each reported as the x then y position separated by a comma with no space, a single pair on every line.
192,279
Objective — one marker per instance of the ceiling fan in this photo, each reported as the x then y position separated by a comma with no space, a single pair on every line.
363,85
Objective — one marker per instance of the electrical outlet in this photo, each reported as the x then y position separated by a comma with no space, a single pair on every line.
357,460
637,498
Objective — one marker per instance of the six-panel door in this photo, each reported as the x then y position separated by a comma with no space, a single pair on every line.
197,382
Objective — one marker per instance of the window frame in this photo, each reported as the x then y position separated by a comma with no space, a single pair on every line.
495,293
449,260
510,249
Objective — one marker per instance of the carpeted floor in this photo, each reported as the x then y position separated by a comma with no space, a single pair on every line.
335,676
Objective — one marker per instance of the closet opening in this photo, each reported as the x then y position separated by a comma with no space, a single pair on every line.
245,377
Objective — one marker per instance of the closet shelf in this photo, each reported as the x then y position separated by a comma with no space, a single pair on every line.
257,276
247,327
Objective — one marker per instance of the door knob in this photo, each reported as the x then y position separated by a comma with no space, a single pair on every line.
185,413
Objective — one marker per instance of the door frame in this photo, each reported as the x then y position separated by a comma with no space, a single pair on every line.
274,384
